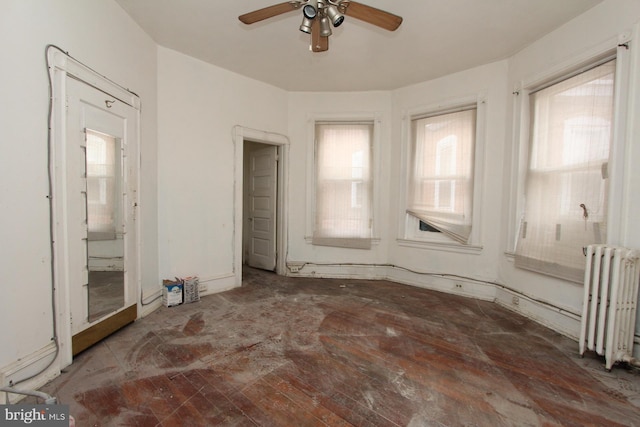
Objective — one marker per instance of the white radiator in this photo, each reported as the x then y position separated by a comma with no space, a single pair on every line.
610,300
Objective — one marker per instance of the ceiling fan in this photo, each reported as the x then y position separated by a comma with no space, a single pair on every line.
319,15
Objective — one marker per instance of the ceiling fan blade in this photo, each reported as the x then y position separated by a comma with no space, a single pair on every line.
374,16
269,12
318,43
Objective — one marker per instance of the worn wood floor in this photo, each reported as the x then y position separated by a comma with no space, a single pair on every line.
313,352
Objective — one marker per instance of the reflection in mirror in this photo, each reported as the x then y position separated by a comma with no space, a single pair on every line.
105,243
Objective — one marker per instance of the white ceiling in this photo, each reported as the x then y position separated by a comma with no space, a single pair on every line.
437,37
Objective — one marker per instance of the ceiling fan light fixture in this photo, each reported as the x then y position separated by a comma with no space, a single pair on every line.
310,10
325,27
334,15
319,15
305,27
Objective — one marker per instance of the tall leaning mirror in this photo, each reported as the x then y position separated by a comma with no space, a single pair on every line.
105,239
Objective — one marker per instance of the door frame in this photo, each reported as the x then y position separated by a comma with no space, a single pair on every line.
62,67
240,135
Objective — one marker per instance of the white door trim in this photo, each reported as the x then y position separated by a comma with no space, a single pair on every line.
241,134
61,67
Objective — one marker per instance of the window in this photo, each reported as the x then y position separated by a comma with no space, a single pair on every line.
566,181
343,213
101,164
441,172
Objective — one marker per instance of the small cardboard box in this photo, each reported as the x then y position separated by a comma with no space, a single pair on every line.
191,289
171,292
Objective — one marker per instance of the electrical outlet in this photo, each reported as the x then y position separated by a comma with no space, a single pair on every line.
515,300
294,268
458,285
202,288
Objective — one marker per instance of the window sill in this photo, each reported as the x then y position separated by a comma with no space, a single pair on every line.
375,241
441,246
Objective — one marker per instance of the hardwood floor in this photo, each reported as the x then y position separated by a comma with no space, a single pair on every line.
317,352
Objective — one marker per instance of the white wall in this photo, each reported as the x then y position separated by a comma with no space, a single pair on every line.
487,84
199,105
304,108
591,32
99,34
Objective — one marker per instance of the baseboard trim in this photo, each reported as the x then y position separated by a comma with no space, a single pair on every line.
466,287
451,285
27,366
214,285
146,309
562,321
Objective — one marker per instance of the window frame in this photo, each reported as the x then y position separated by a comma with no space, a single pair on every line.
551,175
409,226
375,119
617,48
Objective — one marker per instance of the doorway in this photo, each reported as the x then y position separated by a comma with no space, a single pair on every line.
260,197
251,142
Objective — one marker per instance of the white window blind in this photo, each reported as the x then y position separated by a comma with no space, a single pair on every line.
101,189
441,174
566,186
343,185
